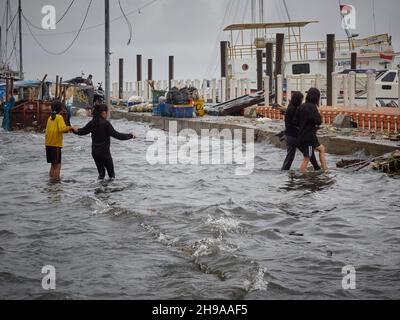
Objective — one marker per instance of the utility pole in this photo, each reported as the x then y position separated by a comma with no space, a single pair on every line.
107,51
1,47
21,67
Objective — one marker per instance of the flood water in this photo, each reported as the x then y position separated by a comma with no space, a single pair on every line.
191,232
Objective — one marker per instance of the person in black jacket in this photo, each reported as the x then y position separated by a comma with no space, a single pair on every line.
292,133
308,120
101,131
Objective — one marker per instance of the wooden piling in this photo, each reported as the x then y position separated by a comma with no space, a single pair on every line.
121,79
354,60
170,71
280,38
330,66
270,62
259,70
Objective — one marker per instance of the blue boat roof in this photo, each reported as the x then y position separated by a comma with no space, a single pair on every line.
26,83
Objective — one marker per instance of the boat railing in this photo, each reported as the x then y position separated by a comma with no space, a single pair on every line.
293,50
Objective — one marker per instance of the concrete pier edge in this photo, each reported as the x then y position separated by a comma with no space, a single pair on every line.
334,145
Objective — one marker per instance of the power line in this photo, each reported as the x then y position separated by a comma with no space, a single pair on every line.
127,22
137,10
62,17
73,41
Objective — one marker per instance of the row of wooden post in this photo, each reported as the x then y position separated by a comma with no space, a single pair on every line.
139,77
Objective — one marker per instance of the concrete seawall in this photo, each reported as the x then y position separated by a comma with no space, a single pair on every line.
339,145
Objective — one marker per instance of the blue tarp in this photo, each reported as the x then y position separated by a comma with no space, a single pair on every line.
2,92
6,116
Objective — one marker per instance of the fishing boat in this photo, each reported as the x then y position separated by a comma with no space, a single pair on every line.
308,58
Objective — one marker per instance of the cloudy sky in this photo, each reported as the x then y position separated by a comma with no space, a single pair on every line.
188,29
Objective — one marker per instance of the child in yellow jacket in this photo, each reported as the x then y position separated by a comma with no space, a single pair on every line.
55,129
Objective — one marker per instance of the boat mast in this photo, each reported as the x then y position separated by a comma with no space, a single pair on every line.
21,69
7,10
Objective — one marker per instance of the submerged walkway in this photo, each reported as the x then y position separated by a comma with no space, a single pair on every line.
343,142
377,119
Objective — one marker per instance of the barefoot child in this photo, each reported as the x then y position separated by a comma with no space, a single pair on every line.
55,129
101,131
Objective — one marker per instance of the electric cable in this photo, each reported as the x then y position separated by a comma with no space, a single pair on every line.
70,45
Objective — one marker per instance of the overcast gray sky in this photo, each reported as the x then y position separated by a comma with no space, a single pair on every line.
188,29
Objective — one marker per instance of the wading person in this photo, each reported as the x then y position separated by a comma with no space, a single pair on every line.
292,133
308,120
101,131
55,129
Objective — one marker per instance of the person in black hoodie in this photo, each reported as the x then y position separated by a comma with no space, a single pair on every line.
292,133
101,131
308,120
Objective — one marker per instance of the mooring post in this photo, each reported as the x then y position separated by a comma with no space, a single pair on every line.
259,69
371,89
280,39
352,88
170,71
279,87
121,79
330,66
302,83
150,76
353,60
224,66
56,91
239,87
232,94
223,89
270,62
318,81
214,90
114,89
288,89
335,89
345,80
266,91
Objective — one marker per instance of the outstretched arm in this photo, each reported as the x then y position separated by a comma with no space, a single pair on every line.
117,135
85,130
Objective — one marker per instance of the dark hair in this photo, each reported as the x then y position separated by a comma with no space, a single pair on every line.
313,96
15,91
56,107
98,109
297,98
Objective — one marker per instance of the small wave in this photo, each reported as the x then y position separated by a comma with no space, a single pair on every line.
256,282
224,224
205,247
